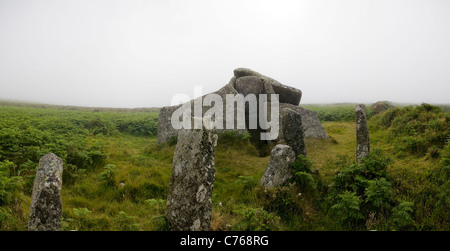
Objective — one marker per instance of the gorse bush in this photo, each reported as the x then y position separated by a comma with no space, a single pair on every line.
415,129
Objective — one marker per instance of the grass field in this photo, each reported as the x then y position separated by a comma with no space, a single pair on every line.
116,177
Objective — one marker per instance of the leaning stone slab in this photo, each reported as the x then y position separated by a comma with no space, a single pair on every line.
362,133
46,203
310,122
191,184
279,171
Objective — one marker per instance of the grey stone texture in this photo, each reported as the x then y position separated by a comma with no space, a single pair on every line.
381,106
362,133
249,85
310,122
292,129
165,129
46,203
246,81
287,94
191,184
279,171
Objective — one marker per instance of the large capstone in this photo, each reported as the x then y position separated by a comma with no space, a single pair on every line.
292,129
362,133
279,171
249,85
246,81
191,184
287,94
46,203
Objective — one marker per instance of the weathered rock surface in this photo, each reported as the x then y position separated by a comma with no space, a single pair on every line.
191,184
249,85
279,171
287,94
291,127
46,203
362,133
247,81
381,106
165,129
310,122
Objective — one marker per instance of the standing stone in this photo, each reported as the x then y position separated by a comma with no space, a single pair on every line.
190,187
362,133
46,203
279,171
165,128
292,130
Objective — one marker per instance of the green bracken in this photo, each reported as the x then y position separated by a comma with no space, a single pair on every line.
116,176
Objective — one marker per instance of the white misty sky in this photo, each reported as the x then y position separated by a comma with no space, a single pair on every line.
141,53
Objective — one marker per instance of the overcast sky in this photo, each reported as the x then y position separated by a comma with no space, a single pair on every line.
141,53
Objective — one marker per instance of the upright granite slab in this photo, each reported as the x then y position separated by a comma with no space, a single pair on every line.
190,187
292,130
46,203
279,171
362,133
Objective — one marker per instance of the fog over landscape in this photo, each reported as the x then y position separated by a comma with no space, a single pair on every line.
141,53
